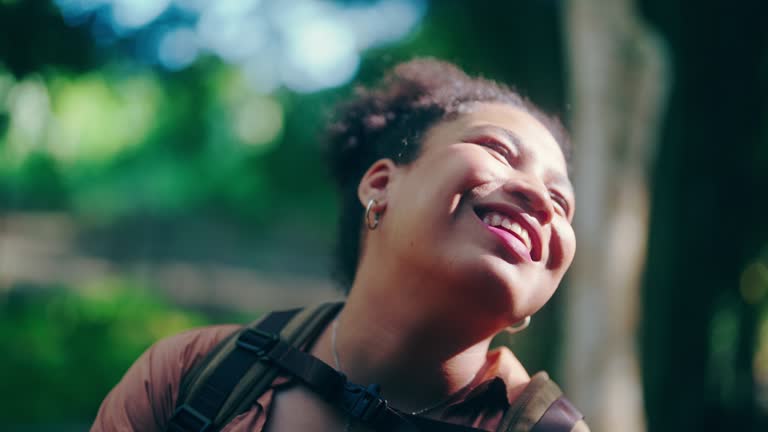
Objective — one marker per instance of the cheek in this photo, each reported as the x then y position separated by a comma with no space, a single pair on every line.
463,169
431,197
438,181
562,247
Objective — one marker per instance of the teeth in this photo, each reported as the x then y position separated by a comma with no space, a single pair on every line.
497,219
526,238
510,226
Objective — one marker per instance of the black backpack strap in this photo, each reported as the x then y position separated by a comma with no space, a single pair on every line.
541,407
233,375
246,364
363,404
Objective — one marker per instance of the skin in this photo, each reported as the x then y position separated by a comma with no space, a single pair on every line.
434,285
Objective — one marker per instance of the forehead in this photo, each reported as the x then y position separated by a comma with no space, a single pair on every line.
532,136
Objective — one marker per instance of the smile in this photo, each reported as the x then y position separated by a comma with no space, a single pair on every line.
514,228
498,220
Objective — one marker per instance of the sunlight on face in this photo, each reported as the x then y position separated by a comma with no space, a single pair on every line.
485,210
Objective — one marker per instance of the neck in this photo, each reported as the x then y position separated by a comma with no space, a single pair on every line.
417,358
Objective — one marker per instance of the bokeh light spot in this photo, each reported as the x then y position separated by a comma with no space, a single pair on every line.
177,48
305,45
259,121
130,14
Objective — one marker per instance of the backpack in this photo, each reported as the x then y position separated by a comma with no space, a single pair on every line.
229,379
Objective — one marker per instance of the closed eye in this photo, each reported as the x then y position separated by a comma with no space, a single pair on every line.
501,150
562,203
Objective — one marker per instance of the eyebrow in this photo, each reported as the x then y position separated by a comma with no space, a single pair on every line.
556,178
508,134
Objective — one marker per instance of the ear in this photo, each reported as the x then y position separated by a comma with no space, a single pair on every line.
375,184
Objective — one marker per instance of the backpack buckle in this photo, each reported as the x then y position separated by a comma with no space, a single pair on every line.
188,419
363,403
257,341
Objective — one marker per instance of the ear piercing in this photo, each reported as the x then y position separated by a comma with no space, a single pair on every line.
520,326
371,216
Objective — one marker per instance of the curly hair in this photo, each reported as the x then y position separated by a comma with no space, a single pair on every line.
389,120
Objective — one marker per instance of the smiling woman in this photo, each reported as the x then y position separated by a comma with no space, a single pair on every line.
455,226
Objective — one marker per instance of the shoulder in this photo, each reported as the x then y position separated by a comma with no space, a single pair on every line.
146,395
534,400
181,351
166,362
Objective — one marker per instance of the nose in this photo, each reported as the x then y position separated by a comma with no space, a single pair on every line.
533,197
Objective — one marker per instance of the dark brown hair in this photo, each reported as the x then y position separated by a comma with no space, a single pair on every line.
389,121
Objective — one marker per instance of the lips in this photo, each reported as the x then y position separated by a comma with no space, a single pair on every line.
515,227
508,224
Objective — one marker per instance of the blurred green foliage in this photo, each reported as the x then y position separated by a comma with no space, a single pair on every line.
63,352
114,143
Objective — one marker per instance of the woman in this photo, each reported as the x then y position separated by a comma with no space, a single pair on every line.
456,225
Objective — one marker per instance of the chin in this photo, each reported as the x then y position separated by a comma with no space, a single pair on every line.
509,291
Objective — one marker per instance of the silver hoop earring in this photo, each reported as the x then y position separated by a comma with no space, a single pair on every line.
371,224
520,326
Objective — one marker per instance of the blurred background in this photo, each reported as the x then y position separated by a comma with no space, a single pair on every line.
160,170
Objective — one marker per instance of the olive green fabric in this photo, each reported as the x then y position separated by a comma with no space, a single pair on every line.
299,331
531,405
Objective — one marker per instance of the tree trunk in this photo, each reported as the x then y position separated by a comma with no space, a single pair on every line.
618,83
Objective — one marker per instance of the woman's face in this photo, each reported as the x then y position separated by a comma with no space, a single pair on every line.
483,216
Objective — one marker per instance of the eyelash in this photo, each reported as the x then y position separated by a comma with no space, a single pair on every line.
493,144
561,202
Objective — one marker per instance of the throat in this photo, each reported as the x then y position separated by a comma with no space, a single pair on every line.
411,378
